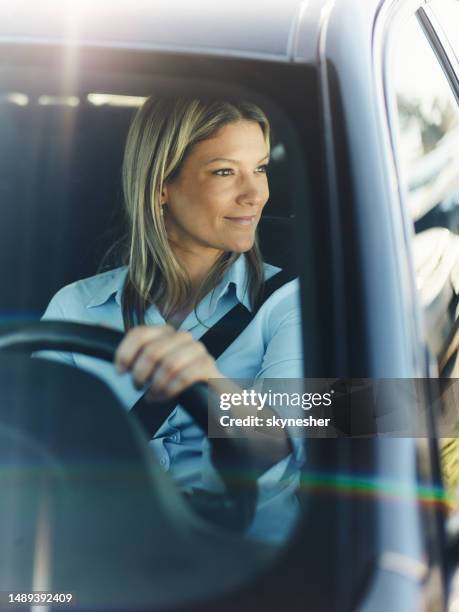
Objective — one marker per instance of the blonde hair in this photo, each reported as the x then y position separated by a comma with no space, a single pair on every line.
161,135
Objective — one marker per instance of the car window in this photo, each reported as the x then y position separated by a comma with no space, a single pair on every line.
426,129
61,154
447,12
428,121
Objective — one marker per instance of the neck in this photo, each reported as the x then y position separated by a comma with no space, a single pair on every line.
197,265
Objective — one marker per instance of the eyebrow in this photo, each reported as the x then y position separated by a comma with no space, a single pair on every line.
233,161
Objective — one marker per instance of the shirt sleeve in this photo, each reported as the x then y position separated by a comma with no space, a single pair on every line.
283,357
277,506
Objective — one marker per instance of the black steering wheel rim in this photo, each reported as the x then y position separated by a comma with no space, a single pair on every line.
102,342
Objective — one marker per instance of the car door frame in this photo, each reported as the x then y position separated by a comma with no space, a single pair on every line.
396,348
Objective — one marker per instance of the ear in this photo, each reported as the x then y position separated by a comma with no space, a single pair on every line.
164,194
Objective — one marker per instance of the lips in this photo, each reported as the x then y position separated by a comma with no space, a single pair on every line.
242,220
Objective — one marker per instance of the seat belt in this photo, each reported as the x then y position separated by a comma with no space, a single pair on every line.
216,340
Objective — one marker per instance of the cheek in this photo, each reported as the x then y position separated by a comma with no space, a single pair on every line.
215,203
264,196
266,187
186,203
203,213
205,197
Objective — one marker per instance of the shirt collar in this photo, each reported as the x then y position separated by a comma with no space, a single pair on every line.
112,283
237,276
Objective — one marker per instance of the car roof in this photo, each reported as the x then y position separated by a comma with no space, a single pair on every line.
265,29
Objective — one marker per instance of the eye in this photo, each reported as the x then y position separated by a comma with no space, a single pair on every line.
223,172
262,169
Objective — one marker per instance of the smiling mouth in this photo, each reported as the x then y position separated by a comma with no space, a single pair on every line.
242,220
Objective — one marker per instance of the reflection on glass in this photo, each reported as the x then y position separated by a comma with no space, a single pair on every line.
447,11
428,149
428,129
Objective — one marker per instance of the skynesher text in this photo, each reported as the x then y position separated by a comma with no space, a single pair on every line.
257,421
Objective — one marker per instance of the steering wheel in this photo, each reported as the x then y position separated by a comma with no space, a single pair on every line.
101,342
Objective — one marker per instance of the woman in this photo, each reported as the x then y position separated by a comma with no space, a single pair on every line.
195,185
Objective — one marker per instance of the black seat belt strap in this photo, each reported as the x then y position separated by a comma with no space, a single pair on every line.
216,340
219,337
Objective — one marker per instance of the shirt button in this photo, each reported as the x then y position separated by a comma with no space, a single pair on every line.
174,438
163,461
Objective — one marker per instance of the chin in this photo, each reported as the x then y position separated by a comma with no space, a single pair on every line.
242,247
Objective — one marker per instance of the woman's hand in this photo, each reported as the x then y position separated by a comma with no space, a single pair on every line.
168,360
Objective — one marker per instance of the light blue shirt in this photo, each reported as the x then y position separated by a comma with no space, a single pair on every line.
269,347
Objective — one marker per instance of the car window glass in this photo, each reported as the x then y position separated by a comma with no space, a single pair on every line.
61,153
428,121
427,149
427,139
447,12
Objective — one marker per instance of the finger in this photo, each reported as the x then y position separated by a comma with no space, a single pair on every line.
172,348
196,372
135,340
171,384
175,361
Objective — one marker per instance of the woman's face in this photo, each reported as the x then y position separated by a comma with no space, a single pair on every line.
215,203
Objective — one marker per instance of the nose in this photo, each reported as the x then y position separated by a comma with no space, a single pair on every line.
253,191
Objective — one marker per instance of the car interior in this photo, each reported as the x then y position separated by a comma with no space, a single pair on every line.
60,184
60,160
